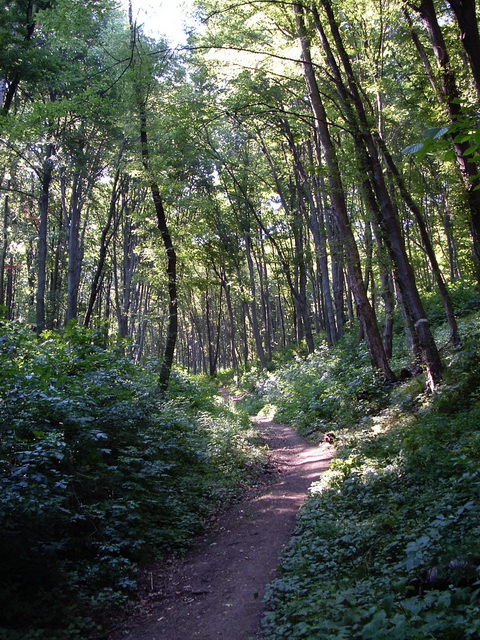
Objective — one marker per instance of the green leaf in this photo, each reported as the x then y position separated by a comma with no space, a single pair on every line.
413,148
435,132
462,137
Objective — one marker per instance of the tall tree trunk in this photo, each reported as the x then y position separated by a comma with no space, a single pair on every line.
369,159
298,295
232,334
315,223
450,97
251,209
427,244
337,254
54,318
389,305
172,326
46,178
365,311
3,256
443,208
225,284
423,56
264,297
73,240
9,297
266,301
301,301
465,14
106,237
213,334
253,305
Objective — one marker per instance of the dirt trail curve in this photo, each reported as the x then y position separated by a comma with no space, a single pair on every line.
216,592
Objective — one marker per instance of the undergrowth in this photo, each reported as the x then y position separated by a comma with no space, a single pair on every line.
387,545
99,473
324,391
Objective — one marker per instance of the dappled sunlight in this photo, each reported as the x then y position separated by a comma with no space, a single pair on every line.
281,504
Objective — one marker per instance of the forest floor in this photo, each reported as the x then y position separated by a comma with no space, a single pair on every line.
216,591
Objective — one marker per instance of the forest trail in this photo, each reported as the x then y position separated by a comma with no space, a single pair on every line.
216,591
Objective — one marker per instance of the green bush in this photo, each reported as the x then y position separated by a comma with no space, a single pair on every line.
387,545
99,473
326,390
465,298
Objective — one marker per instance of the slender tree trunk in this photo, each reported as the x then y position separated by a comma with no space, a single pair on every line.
54,319
3,256
337,254
427,245
410,333
245,315
46,178
454,268
225,284
231,317
450,97
266,298
423,56
172,326
254,312
106,237
9,298
218,331
465,14
299,294
301,300
368,155
285,264
73,236
389,305
365,311
316,225
213,343
122,274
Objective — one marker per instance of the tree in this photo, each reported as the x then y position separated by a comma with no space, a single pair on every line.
365,311
172,327
368,158
449,96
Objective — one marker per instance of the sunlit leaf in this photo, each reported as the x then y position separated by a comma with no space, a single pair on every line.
413,148
436,132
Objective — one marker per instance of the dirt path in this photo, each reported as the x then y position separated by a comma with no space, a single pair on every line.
216,592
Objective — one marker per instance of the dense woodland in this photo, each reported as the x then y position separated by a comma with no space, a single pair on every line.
299,180
293,169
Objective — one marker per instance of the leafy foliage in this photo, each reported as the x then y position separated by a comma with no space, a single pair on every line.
387,544
325,390
98,475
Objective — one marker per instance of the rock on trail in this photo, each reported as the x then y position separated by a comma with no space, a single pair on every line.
216,592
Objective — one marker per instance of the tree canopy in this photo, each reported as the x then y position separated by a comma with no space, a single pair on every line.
299,179
316,165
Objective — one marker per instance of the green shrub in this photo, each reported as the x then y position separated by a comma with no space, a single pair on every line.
465,298
326,390
387,545
99,473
